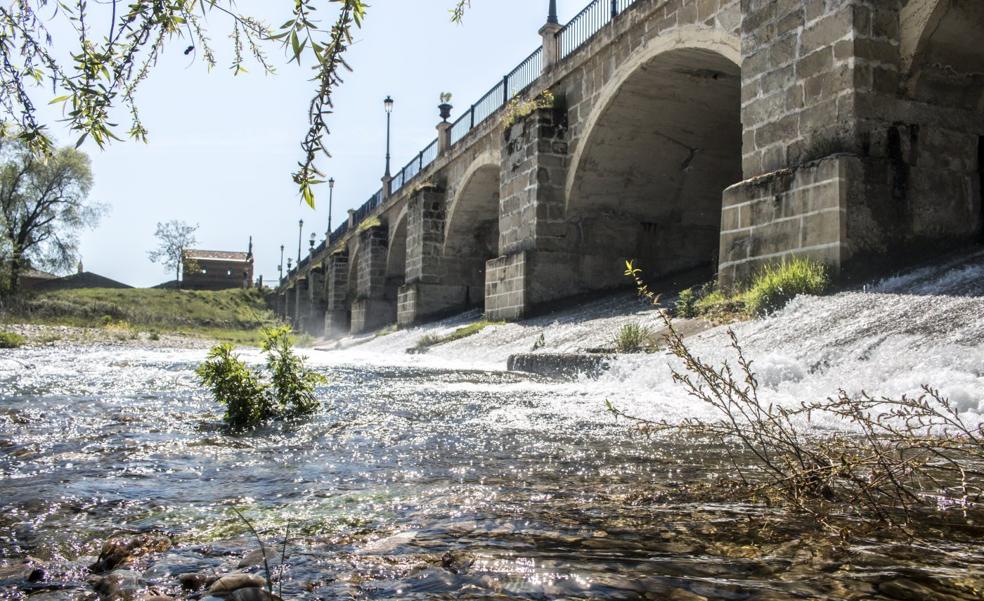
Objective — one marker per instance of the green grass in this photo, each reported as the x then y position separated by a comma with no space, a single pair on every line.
634,338
769,290
229,315
776,285
11,340
431,340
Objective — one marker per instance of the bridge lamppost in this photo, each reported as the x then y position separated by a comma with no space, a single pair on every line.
280,267
300,235
311,247
388,105
331,197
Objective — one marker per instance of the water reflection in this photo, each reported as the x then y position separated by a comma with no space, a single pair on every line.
412,484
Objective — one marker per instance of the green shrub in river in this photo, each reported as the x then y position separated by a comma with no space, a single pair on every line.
251,397
293,385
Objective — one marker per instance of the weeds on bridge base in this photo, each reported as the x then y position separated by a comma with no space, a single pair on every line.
886,461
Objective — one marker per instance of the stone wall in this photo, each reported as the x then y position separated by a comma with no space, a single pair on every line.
534,159
798,68
790,213
425,236
506,287
336,295
370,307
315,318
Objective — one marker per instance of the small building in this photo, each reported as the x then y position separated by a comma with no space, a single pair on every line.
217,269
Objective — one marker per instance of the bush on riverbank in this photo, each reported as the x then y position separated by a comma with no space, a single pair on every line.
233,315
251,397
11,340
772,287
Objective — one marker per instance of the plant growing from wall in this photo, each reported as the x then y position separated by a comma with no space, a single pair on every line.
252,397
520,109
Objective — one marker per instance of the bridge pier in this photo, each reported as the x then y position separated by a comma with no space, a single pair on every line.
371,308
336,321
289,302
314,319
427,293
302,303
536,265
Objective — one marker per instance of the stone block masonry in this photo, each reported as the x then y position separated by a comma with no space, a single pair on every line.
370,308
336,293
790,213
506,288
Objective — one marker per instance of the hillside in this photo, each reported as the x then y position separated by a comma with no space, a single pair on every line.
227,314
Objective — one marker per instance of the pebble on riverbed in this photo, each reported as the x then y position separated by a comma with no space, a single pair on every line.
118,552
233,582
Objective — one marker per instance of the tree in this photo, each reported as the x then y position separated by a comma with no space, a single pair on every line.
174,238
43,206
108,66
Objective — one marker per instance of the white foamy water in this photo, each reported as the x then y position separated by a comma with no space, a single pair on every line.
923,327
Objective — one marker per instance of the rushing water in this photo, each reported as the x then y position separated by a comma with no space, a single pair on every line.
444,477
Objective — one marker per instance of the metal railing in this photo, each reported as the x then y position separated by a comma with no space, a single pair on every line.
588,22
577,32
523,76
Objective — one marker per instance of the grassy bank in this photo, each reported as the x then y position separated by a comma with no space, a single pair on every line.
227,315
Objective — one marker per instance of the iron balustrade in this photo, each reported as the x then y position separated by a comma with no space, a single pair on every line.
577,32
462,126
523,76
340,231
428,155
583,26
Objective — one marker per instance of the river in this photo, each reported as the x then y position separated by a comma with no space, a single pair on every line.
443,476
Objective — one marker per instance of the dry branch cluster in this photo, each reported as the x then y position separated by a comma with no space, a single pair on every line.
886,460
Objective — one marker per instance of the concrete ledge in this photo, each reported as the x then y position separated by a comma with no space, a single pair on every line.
561,366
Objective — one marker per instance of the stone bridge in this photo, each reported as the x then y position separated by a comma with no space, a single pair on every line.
686,135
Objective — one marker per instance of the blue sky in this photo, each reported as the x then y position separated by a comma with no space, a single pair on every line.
222,148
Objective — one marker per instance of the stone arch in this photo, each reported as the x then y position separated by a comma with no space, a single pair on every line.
471,233
727,45
942,58
396,256
661,144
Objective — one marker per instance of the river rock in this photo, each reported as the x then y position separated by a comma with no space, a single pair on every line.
117,552
121,584
255,558
679,594
193,581
904,589
252,594
234,582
